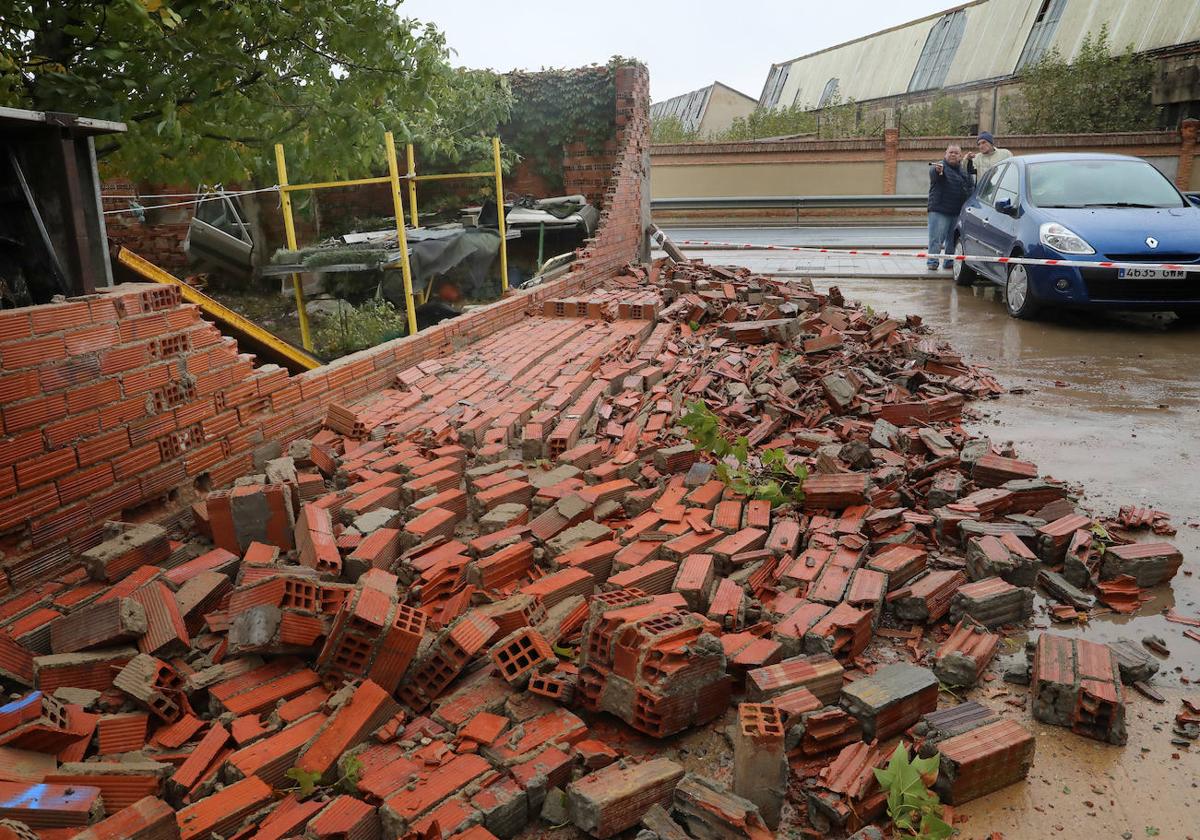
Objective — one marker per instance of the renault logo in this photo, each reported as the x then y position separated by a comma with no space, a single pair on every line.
1151,241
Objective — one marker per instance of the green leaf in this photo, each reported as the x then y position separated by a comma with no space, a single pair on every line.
933,827
306,780
741,449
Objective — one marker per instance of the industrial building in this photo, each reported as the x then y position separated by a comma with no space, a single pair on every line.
706,112
976,51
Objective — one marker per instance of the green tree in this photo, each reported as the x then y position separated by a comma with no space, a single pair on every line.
207,87
1098,91
839,118
670,130
946,116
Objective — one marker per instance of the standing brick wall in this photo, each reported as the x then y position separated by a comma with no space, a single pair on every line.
115,400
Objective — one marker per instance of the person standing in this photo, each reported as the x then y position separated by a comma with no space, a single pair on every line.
987,156
949,187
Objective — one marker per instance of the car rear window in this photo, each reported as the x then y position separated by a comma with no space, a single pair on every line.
1100,183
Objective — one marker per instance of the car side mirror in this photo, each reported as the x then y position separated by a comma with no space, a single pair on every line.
1006,207
1194,198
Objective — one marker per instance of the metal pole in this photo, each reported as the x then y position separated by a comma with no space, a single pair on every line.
541,244
500,216
289,228
401,238
412,186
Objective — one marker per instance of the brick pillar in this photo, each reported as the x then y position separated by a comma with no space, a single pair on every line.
1188,131
891,149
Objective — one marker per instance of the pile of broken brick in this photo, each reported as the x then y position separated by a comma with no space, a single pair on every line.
405,625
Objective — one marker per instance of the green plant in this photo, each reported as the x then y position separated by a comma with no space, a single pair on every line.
912,807
358,328
306,780
352,768
1098,91
670,130
765,476
309,781
555,107
946,116
837,118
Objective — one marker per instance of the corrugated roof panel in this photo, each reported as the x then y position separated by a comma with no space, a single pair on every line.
995,34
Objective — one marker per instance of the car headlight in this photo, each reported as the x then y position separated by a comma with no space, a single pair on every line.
1062,239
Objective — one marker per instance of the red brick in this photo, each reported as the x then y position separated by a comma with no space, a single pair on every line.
44,468
92,339
20,446
25,506
15,325
104,392
18,386
102,447
368,708
84,481
32,352
56,317
35,412
71,429
137,460
121,359
122,412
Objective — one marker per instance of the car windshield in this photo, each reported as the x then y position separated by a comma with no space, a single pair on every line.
1099,183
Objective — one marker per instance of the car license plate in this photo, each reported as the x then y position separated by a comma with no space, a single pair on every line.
1151,273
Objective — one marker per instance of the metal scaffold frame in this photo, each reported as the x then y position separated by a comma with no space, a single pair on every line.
394,178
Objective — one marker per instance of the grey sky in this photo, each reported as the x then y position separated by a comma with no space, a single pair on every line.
686,44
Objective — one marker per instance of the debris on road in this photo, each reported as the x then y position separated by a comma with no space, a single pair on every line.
693,496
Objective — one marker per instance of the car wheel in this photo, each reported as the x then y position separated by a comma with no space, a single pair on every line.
1018,293
964,275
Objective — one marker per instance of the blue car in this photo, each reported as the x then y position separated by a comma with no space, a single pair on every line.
1086,207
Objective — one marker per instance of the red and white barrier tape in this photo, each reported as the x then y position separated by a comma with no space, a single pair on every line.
924,255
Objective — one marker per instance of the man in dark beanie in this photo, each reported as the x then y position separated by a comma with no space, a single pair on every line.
987,156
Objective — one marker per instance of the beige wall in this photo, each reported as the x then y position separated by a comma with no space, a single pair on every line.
724,106
858,166
738,179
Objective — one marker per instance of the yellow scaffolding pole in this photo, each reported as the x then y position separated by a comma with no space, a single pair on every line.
297,359
289,228
412,185
394,178
500,216
321,185
401,237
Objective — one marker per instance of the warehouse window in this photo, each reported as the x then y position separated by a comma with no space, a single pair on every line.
940,47
774,87
1044,26
831,89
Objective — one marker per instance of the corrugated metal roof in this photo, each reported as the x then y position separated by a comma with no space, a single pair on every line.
687,107
995,35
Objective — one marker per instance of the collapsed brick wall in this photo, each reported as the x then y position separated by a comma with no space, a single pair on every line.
116,400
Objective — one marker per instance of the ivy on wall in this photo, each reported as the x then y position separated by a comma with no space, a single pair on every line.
553,108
